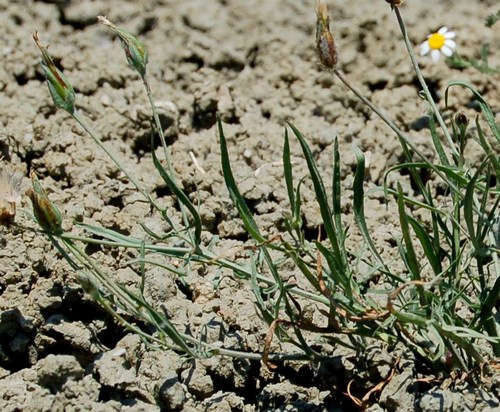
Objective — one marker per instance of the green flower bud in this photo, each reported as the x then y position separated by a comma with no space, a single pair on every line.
325,45
60,88
46,213
462,121
136,53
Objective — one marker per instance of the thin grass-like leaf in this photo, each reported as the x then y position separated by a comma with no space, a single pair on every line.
321,198
336,269
336,190
437,141
413,265
142,267
427,245
485,107
238,200
359,207
293,253
492,156
452,173
252,228
412,261
183,198
468,209
287,168
110,234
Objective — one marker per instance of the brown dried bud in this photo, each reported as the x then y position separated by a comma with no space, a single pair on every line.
46,212
394,3
461,120
325,45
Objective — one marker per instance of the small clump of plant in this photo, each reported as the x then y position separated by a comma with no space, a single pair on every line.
450,259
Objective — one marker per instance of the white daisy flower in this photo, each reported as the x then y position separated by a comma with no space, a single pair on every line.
437,43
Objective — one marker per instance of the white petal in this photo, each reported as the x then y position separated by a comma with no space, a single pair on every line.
443,30
446,51
435,55
450,35
450,44
424,48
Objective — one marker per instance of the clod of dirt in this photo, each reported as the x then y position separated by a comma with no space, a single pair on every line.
172,393
285,396
224,402
75,334
114,370
54,371
459,399
198,382
398,394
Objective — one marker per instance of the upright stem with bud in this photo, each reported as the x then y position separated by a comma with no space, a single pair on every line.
328,57
63,95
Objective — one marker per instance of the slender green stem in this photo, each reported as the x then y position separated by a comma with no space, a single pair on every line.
156,118
166,150
391,124
421,79
200,256
114,158
132,307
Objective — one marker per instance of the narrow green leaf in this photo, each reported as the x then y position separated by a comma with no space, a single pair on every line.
437,141
177,191
414,266
110,234
359,207
294,254
492,156
485,107
238,200
337,273
412,260
287,168
252,228
336,189
321,197
142,267
428,245
451,172
468,208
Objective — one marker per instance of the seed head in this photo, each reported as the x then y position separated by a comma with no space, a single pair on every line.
325,45
135,51
10,195
46,212
394,3
461,120
60,88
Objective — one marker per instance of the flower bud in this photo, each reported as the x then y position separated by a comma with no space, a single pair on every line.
135,51
46,213
325,45
462,121
394,3
60,88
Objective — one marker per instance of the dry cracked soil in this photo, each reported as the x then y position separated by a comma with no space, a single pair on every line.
254,62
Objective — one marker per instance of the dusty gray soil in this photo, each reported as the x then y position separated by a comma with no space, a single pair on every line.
254,62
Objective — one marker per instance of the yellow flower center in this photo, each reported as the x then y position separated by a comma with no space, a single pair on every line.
436,41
